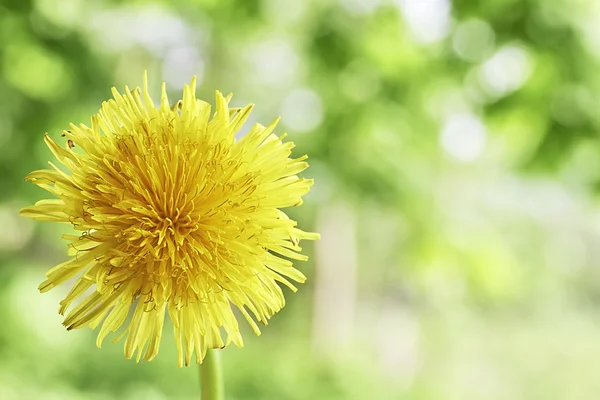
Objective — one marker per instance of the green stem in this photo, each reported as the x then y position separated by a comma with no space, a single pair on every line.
211,376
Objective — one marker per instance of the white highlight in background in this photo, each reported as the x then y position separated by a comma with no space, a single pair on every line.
153,27
463,137
473,40
360,7
428,20
180,64
273,62
302,110
506,71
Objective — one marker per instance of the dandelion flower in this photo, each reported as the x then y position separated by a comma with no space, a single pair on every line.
173,215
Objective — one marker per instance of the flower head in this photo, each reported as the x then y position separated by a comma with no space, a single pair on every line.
175,216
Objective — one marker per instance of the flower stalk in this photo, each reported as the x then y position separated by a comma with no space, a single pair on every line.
211,376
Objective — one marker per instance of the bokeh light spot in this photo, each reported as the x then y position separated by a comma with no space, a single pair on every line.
506,71
273,61
302,110
428,20
463,137
473,40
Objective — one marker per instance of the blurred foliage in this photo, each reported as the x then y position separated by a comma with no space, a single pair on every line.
462,136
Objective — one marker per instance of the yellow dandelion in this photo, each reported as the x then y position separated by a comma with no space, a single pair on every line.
176,216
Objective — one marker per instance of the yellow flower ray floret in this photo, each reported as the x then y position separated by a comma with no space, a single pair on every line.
176,217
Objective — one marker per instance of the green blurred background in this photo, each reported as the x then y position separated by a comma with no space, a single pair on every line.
456,153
